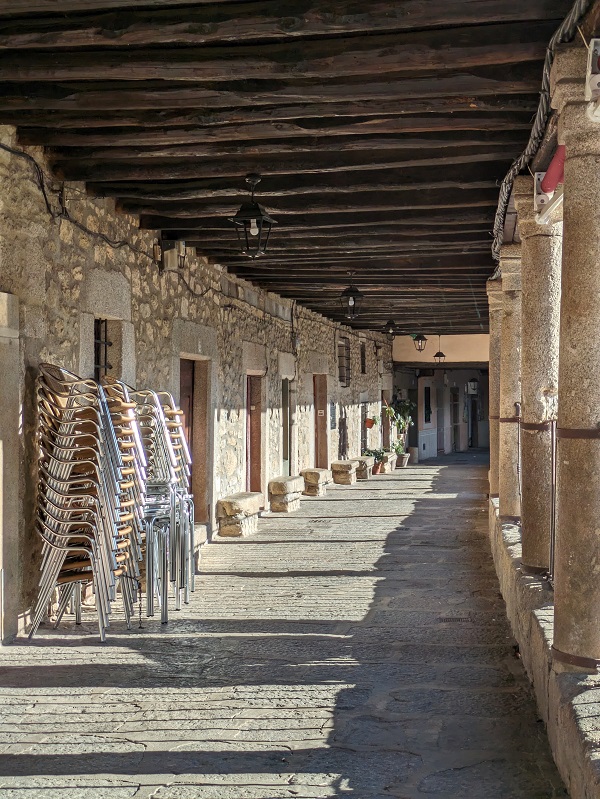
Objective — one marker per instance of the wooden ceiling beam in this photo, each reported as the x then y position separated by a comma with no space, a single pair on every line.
160,95
421,199
462,176
322,163
15,8
102,137
324,236
259,21
307,221
65,120
425,51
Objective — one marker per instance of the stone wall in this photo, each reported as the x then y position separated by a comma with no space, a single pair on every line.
64,276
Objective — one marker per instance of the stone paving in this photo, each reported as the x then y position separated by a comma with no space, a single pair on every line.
356,648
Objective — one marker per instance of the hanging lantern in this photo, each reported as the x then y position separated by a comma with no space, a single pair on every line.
473,386
350,300
420,342
390,327
439,355
253,224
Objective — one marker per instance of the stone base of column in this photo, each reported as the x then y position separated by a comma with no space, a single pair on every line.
534,571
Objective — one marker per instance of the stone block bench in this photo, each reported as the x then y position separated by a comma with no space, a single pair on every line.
344,472
389,463
365,467
238,514
284,493
316,482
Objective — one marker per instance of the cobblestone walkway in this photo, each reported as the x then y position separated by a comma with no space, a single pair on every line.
357,648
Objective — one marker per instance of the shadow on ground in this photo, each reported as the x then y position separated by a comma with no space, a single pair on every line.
357,648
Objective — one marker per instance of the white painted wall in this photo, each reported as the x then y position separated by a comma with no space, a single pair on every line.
457,349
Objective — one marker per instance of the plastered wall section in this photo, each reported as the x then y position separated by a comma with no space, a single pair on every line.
63,277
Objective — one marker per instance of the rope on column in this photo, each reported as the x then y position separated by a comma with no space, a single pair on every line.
564,33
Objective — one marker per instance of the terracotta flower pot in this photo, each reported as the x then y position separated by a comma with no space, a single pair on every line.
369,423
402,461
377,467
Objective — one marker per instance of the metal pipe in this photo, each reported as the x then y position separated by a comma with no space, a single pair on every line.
555,173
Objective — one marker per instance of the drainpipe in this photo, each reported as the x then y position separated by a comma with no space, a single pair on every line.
555,173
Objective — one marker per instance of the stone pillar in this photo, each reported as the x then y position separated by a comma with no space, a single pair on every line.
510,385
10,471
577,556
494,292
541,251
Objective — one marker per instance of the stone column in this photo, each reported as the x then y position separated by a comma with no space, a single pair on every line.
577,558
11,575
494,292
510,385
541,251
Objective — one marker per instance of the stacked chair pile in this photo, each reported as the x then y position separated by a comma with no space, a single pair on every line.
113,485
169,510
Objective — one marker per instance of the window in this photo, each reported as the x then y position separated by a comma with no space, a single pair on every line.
101,345
343,352
427,408
363,358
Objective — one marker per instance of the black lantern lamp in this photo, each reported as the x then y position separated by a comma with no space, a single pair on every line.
253,224
420,342
389,327
439,355
350,300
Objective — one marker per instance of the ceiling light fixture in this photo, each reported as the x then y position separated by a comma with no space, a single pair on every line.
253,224
439,355
420,342
351,300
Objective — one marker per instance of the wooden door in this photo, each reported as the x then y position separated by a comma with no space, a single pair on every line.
386,424
455,416
286,426
254,433
194,401
364,415
440,401
320,394
186,398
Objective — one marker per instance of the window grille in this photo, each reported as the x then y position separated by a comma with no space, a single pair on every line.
101,345
344,361
363,358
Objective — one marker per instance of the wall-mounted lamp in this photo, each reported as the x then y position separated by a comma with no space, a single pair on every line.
169,254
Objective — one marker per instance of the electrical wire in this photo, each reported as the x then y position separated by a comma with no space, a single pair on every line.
42,181
564,33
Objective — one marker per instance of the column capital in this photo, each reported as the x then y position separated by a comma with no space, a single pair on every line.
567,76
510,267
494,293
567,86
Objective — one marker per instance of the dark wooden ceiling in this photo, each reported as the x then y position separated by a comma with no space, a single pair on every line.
381,130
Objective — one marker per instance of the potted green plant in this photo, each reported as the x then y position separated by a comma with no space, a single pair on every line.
378,454
403,456
371,421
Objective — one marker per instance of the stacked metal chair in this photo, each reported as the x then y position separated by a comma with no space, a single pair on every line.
169,509
182,565
85,503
